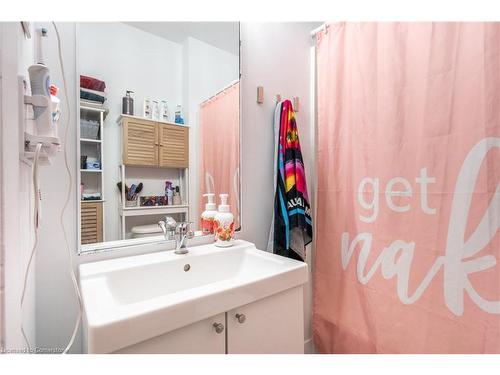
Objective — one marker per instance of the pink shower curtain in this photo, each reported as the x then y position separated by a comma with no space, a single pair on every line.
220,148
408,199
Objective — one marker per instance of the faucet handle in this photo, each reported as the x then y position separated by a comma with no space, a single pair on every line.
184,227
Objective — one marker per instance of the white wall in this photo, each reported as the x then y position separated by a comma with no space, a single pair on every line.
16,194
207,70
273,55
127,58
2,343
276,56
56,307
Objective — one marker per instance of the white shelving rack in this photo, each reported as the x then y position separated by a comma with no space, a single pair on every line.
138,210
94,177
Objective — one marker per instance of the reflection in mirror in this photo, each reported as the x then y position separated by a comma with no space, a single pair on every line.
159,126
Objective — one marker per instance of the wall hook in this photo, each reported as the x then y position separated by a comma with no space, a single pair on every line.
260,94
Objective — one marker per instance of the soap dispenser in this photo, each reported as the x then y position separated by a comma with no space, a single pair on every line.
224,224
207,216
128,104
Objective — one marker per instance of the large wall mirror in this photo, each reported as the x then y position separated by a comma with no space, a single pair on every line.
158,126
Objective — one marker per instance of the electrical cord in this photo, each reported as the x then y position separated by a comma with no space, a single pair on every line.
68,196
36,189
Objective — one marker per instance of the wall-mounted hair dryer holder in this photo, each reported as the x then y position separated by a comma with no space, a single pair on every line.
41,130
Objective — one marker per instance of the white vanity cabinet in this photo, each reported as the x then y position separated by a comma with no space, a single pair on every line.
210,300
273,325
201,337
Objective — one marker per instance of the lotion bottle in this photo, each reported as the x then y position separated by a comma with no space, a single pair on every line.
207,216
224,224
169,193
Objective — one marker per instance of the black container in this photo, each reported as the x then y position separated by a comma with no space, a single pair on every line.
83,162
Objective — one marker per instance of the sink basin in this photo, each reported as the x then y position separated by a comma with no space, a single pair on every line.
129,300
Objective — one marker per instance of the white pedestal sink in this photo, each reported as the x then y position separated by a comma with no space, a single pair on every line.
211,300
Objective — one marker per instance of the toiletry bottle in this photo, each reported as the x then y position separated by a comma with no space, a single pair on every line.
146,112
155,109
207,216
55,107
177,196
169,193
178,115
164,111
128,104
224,224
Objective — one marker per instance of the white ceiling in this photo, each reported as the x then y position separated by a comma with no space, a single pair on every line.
223,35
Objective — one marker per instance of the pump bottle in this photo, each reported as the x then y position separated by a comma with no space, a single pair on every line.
207,216
224,224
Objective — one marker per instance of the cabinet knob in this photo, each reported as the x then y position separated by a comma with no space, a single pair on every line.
241,318
219,327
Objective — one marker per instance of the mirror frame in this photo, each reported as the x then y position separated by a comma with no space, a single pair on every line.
101,247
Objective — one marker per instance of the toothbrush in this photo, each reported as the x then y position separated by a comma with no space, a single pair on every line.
131,191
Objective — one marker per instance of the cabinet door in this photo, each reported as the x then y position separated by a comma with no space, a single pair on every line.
197,338
140,142
273,325
174,146
91,222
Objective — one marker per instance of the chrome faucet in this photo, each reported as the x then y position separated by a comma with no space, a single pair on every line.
168,226
183,232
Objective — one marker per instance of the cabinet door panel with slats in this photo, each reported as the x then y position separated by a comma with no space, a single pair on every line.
91,219
174,146
140,142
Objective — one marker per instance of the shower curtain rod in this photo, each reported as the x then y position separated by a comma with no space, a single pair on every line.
220,91
323,27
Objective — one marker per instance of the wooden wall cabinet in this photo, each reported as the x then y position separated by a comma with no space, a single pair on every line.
174,146
154,144
140,142
91,222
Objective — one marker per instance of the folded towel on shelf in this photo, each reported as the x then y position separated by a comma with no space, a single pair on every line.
92,83
86,95
91,196
92,104
95,92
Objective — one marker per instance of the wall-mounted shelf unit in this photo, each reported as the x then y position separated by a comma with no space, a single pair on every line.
150,143
154,144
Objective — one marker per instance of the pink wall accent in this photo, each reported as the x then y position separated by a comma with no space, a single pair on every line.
408,203
220,148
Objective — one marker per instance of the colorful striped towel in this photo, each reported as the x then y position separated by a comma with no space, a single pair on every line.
292,225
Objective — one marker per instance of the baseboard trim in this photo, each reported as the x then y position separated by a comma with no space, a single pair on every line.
309,347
